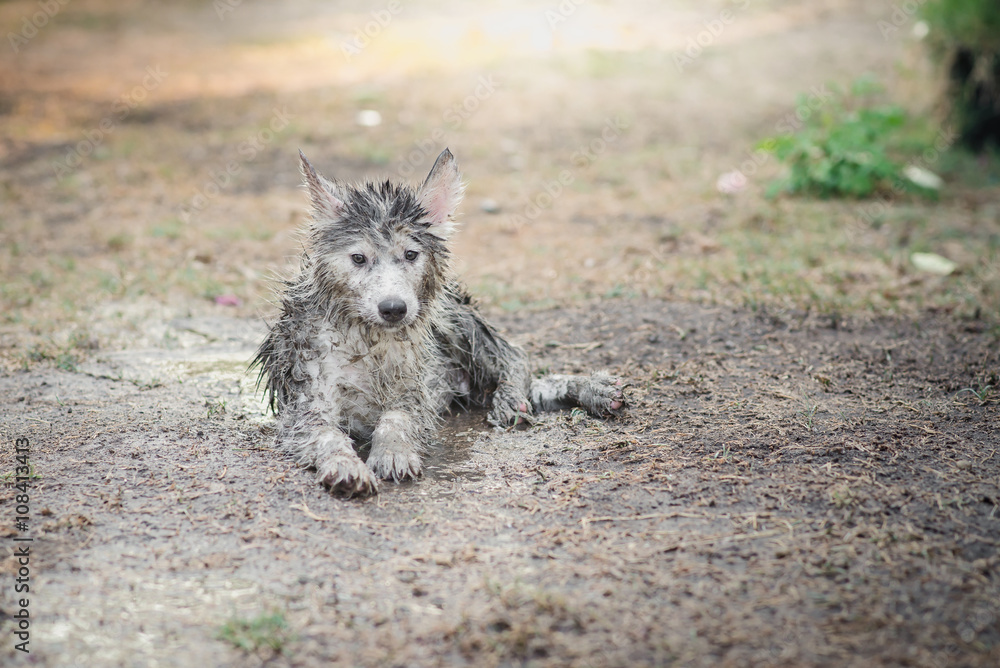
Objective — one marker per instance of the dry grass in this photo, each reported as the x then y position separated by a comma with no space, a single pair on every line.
640,218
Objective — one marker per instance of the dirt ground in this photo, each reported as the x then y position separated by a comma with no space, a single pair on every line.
808,473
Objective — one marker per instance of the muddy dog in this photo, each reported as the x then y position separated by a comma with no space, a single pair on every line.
376,338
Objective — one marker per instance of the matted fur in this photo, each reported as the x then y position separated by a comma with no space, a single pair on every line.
375,338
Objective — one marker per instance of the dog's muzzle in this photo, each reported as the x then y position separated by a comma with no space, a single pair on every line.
392,310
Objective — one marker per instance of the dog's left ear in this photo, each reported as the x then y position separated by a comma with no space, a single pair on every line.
441,193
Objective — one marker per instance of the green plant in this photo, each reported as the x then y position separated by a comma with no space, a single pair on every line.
846,148
984,391
217,407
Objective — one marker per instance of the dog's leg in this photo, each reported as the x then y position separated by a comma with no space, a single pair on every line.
318,443
396,446
496,370
506,367
339,467
496,366
600,394
510,400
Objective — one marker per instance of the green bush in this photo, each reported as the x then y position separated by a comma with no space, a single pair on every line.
847,148
963,23
964,36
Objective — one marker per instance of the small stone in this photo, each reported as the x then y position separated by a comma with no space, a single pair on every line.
933,263
963,465
922,177
368,118
489,205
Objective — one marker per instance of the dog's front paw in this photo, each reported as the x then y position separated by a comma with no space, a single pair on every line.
346,474
397,465
510,408
602,394
396,446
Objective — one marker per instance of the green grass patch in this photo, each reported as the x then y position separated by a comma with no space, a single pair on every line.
265,631
170,228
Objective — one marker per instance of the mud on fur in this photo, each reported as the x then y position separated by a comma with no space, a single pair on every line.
376,339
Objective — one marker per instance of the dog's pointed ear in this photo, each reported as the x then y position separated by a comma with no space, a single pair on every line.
325,195
441,193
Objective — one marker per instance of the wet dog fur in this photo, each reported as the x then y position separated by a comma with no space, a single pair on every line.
375,338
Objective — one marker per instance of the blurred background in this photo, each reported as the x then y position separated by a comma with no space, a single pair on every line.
785,155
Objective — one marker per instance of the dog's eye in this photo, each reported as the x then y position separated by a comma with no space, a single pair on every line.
411,255
359,259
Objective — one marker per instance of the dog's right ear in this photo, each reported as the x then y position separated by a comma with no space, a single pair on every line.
325,195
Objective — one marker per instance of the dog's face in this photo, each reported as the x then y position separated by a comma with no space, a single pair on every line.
379,249
385,274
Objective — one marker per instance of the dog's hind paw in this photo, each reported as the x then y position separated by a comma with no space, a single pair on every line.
510,408
602,394
347,475
396,465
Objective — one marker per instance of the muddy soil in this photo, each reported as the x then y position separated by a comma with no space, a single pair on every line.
783,491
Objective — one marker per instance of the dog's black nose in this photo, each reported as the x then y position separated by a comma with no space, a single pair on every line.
392,310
